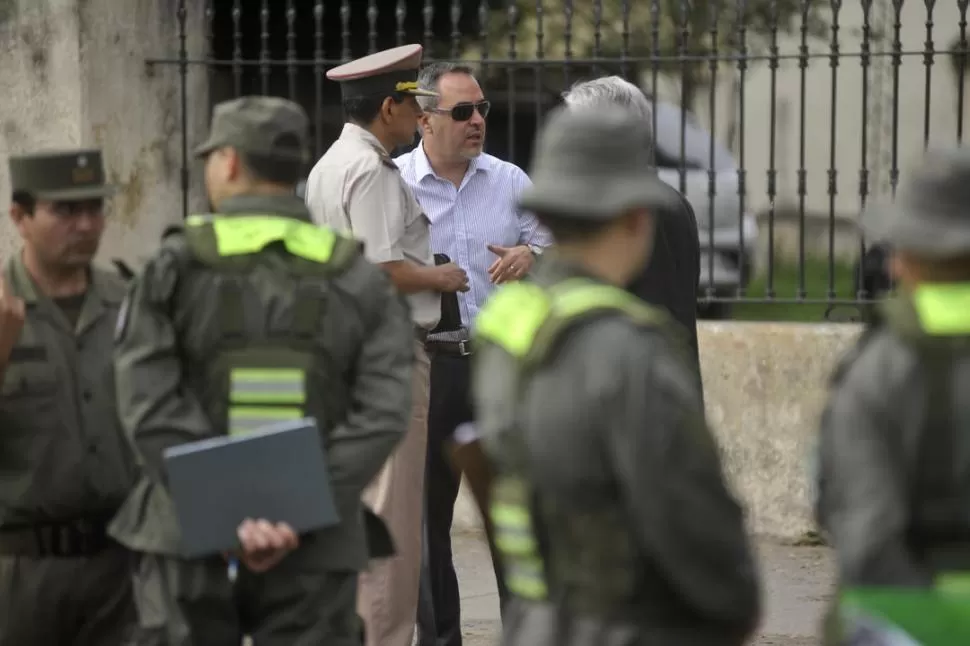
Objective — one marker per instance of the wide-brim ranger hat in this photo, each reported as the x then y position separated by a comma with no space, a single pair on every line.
594,164
60,176
930,216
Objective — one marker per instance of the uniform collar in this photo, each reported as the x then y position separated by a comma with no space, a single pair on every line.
366,136
289,206
422,165
102,293
551,268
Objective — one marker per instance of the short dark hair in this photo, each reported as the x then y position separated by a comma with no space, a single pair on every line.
25,200
566,229
362,110
271,169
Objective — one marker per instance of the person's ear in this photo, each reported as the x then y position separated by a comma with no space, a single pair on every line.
388,106
232,164
424,124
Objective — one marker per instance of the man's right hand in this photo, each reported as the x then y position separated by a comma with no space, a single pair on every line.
11,319
264,544
451,278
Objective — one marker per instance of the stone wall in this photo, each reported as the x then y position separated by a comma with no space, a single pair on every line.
74,74
765,385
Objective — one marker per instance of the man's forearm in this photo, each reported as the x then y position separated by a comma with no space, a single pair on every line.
410,278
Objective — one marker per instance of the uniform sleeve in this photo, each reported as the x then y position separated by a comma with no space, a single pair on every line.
155,411
377,210
530,231
672,483
380,404
862,502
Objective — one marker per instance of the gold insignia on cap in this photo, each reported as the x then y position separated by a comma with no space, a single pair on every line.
82,174
406,86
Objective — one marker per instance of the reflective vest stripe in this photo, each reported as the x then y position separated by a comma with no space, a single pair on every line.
515,540
262,396
246,419
944,309
245,234
525,578
271,386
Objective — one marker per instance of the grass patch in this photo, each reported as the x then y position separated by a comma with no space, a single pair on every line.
786,283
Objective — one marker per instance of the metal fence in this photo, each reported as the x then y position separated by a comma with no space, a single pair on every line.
798,112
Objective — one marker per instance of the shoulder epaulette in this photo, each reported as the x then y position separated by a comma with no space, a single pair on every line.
124,270
172,230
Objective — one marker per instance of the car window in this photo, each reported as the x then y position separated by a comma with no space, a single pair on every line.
669,161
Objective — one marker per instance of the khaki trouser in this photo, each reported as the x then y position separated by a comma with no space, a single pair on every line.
387,597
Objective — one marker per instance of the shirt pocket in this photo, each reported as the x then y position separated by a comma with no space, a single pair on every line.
29,374
29,394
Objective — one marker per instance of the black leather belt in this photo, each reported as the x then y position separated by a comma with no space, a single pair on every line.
73,539
450,348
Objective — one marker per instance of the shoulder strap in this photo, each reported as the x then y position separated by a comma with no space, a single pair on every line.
937,332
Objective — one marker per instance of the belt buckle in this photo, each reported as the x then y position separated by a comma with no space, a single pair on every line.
463,349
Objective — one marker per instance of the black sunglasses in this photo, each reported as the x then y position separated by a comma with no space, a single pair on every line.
464,111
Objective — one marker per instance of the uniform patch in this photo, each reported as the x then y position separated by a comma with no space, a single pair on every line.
121,325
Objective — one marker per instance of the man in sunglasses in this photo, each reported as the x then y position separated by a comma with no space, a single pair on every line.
356,186
471,199
65,466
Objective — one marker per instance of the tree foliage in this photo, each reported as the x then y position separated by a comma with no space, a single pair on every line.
682,37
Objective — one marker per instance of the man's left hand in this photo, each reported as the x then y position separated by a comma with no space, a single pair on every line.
512,264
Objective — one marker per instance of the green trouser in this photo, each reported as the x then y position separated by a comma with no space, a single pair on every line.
67,601
193,603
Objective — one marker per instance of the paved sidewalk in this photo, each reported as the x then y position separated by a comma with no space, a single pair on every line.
796,584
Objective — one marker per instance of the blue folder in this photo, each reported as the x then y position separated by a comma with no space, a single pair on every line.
278,473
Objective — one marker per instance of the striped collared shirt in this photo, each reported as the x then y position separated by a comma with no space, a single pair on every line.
464,220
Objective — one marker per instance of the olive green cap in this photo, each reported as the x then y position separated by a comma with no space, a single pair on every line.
262,125
61,176
931,213
594,164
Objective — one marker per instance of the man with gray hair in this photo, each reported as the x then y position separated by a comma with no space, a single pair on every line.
671,278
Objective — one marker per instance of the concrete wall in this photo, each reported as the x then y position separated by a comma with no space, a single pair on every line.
765,386
74,74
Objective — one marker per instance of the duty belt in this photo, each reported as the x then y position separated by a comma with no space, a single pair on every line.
450,348
69,539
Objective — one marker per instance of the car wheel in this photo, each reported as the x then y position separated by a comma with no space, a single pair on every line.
714,311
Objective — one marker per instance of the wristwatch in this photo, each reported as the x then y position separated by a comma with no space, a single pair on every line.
535,249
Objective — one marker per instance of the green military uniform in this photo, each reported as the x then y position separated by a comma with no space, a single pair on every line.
894,452
609,507
258,290
64,464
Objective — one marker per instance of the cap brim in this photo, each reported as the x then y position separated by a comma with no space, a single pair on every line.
600,200
204,148
76,194
919,233
419,92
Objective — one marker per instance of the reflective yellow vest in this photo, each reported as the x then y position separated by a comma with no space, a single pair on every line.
525,320
939,616
267,382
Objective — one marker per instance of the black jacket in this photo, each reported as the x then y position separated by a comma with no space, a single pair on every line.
671,278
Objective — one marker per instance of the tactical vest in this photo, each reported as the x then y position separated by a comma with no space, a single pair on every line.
262,372
582,559
940,335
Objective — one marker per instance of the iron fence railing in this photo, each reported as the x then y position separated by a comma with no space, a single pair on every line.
779,119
